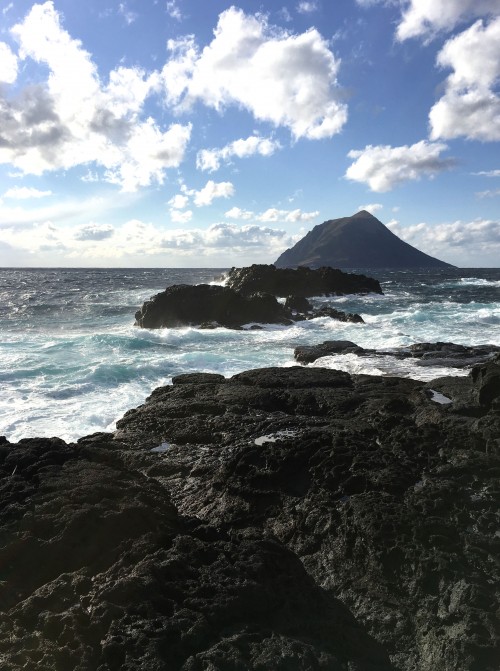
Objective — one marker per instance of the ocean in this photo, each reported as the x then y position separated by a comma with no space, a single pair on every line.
72,361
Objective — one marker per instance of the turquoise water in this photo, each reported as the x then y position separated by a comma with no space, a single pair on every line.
72,362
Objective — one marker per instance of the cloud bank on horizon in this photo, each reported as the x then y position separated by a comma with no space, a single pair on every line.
157,133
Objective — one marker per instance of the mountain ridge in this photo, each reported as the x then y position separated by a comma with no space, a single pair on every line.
358,241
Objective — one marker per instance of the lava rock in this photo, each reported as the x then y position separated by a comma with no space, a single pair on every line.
101,573
299,282
183,305
387,496
209,306
309,353
427,354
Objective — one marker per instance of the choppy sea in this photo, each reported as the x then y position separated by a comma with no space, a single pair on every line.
72,361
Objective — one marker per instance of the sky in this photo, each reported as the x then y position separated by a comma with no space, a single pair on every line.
196,133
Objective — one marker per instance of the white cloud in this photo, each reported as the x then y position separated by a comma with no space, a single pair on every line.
74,119
181,217
94,231
178,202
384,167
238,213
463,241
25,192
134,242
211,159
8,64
272,214
288,80
371,207
427,17
213,190
307,7
488,173
470,106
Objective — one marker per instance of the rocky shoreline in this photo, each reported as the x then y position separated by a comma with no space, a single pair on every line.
285,518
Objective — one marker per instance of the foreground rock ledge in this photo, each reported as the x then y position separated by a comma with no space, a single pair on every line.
282,519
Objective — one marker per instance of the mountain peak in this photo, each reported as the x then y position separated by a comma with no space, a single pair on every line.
355,242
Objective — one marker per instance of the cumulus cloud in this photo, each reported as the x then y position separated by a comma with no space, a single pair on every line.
383,167
179,201
181,216
272,215
470,106
25,192
211,159
288,80
371,207
238,213
94,231
8,64
213,190
141,243
427,17
466,241
75,119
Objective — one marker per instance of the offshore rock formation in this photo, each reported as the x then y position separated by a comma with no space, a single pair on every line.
427,354
209,306
359,241
299,282
285,518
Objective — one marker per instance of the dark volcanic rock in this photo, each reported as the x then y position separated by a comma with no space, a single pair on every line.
286,518
183,304
388,497
300,282
210,306
427,354
359,241
101,573
309,353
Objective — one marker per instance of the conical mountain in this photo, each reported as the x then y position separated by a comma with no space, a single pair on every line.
360,241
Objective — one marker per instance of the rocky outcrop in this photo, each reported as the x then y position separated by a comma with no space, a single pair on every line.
427,354
184,304
210,306
300,282
285,518
359,241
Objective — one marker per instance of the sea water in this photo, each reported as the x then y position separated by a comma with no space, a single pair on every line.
72,361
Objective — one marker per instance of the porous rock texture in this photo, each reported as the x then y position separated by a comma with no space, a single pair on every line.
301,281
285,518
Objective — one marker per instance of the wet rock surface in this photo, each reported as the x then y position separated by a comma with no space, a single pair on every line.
210,306
301,281
293,518
427,354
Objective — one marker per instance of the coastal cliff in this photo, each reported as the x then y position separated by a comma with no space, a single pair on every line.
285,518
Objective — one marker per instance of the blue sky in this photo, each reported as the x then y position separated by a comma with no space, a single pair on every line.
195,133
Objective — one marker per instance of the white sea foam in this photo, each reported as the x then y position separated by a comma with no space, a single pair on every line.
76,363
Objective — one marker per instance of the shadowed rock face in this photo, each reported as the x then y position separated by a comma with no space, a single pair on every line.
360,241
101,573
300,282
210,306
289,519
